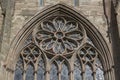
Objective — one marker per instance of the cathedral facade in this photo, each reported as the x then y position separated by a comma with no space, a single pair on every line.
59,40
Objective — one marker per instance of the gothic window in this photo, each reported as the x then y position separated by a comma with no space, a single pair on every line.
59,48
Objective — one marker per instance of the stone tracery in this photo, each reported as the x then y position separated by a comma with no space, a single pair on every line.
59,36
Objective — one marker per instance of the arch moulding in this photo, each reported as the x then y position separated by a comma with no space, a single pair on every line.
60,9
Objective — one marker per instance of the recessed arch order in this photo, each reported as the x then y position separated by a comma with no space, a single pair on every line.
61,10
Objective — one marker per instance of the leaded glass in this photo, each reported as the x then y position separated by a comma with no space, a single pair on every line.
99,74
99,70
19,70
18,74
88,73
41,70
59,49
53,72
64,73
77,70
30,73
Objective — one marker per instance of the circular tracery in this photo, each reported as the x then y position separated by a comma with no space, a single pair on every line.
59,35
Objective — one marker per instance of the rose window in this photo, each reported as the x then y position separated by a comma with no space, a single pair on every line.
59,35
59,48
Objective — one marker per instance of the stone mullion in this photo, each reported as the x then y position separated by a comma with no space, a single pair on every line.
59,76
83,75
94,69
24,73
94,75
36,68
59,72
71,73
83,72
35,76
47,73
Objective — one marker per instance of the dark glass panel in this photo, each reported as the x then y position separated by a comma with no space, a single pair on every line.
99,70
41,71
77,70
53,72
40,74
64,73
88,73
30,72
99,74
19,70
18,74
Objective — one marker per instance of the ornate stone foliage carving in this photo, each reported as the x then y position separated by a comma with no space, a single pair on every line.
59,49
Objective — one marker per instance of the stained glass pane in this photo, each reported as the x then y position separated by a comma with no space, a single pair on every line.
30,72
88,73
99,70
99,74
64,73
53,72
98,62
19,70
89,41
56,38
18,74
41,71
77,70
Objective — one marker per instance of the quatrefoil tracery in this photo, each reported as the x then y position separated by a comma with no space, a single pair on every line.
30,53
88,54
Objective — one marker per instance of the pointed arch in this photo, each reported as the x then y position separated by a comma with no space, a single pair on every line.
61,9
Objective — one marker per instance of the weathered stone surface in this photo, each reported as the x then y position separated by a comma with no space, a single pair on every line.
25,9
92,9
27,12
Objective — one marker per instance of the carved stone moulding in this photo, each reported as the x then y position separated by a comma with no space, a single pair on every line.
59,35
